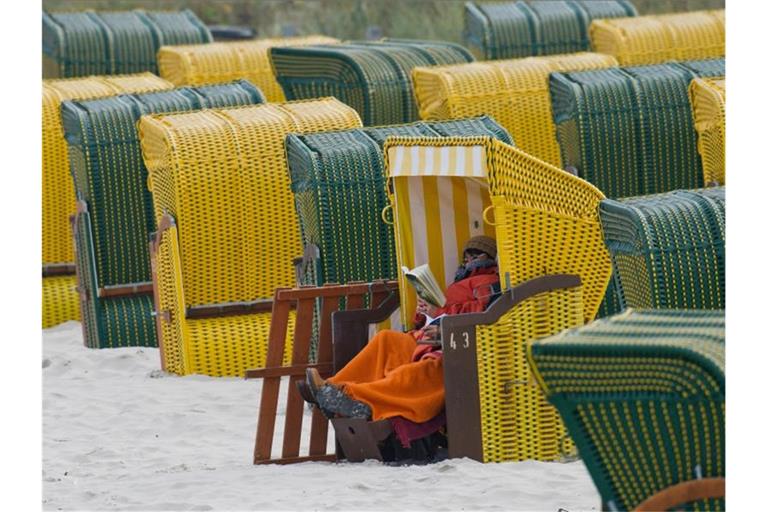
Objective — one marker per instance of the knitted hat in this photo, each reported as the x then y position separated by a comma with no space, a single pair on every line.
482,243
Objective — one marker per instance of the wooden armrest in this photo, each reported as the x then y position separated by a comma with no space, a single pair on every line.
125,290
684,492
350,328
58,269
229,309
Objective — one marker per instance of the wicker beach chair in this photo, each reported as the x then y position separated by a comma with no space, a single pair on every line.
226,61
668,250
514,92
643,396
708,104
374,78
114,214
104,43
58,195
656,39
630,131
227,228
339,187
508,30
554,269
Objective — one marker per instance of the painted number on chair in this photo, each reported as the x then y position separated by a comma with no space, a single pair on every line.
463,341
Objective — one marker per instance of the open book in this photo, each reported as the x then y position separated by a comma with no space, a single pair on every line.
423,280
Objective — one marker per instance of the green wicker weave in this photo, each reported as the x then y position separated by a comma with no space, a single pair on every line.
629,131
106,43
642,394
668,250
339,185
510,30
374,78
116,215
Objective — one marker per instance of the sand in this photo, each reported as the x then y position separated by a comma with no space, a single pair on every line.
120,434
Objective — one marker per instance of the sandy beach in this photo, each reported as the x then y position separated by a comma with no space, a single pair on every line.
120,434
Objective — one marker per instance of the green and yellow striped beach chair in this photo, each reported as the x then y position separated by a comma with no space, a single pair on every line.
506,30
114,209
227,227
113,42
374,78
630,131
643,396
59,298
668,250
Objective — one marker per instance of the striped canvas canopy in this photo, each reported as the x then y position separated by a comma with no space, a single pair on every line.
440,194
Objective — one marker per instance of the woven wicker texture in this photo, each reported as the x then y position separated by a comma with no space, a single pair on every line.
643,396
226,61
223,176
514,92
669,249
630,131
656,39
339,186
455,175
111,178
374,78
58,195
708,103
59,300
84,43
505,30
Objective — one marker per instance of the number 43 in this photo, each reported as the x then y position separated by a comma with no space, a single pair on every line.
465,343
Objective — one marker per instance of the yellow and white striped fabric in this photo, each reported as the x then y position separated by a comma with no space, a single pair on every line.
440,194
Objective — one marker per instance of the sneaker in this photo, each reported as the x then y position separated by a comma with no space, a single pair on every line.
334,402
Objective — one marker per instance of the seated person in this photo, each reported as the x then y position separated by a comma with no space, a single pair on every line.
393,375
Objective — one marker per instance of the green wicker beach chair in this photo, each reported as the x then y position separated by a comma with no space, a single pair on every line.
630,131
339,185
668,250
114,214
374,78
102,43
505,30
642,394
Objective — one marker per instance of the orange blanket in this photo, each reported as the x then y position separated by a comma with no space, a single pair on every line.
383,376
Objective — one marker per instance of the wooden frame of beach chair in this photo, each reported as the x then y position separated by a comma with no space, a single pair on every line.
60,301
643,396
327,301
546,225
708,105
221,62
220,187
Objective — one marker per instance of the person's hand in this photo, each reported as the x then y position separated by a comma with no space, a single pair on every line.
424,308
431,332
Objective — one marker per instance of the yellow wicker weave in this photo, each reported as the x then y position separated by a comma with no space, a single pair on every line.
58,193
222,175
708,104
60,300
227,61
546,223
655,39
514,92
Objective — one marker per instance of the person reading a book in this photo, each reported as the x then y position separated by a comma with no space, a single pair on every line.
400,374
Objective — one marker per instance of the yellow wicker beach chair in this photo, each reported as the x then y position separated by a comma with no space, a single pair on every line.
656,39
554,269
227,61
227,227
58,194
708,104
514,92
